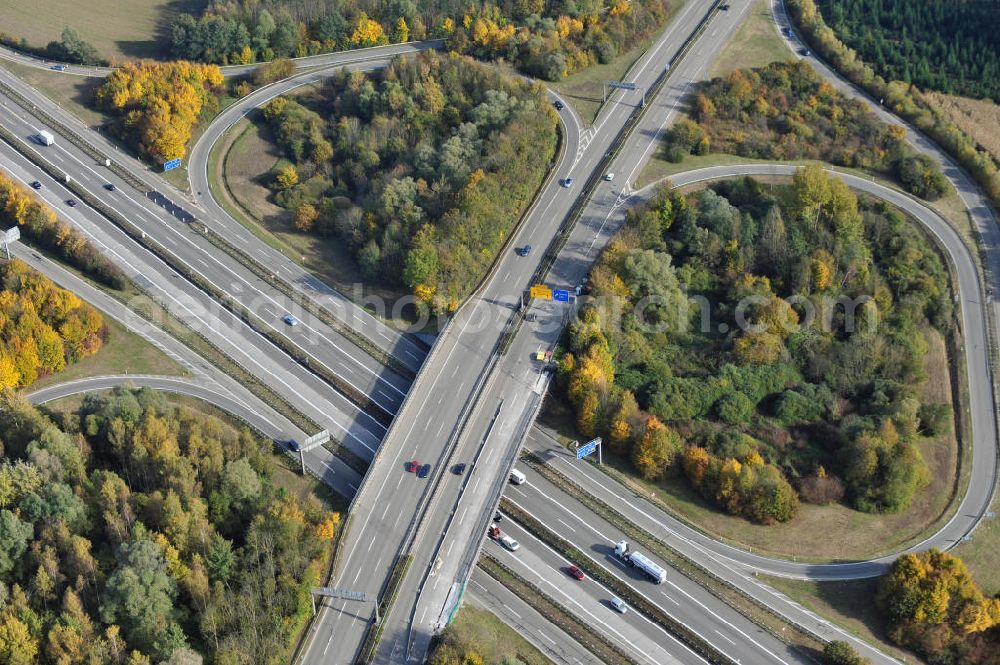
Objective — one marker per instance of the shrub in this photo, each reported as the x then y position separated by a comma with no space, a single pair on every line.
841,653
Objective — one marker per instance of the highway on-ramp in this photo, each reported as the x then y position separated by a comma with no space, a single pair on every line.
441,415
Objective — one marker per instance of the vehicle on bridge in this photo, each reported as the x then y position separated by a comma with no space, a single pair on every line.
45,137
640,561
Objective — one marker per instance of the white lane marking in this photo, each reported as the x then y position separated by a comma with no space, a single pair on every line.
205,325
168,227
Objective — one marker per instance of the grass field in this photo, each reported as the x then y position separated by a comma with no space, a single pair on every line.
481,631
123,352
982,553
118,29
755,44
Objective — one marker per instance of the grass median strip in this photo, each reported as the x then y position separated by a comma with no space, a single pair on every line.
564,619
736,598
616,585
353,394
309,305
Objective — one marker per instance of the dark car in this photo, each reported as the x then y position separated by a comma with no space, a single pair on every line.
110,187
71,203
559,105
497,516
524,251
36,185
575,572
804,52
724,8
412,466
293,445
424,471
787,32
458,469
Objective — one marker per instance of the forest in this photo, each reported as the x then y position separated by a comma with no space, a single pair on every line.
422,168
952,47
544,39
37,221
134,531
158,104
766,344
43,328
901,98
933,606
786,111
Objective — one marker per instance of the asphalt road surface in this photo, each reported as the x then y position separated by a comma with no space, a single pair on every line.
725,629
194,307
431,426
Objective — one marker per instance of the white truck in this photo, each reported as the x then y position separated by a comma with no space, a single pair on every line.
45,137
640,561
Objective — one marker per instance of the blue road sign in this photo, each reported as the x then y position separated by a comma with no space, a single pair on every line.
560,295
172,164
587,448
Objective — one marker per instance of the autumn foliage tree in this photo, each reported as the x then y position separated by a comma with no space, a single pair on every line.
421,169
786,397
934,607
159,103
19,207
787,111
139,531
43,327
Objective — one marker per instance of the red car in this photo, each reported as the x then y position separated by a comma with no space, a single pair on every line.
576,572
412,466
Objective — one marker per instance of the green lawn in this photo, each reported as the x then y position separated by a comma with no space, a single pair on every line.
118,29
123,352
481,631
755,44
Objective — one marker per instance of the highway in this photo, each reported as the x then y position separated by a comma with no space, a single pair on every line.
725,629
357,430
217,265
632,632
486,593
202,380
441,414
401,346
359,370
336,58
600,219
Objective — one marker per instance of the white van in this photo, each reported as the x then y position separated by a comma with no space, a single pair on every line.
619,605
517,477
510,543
